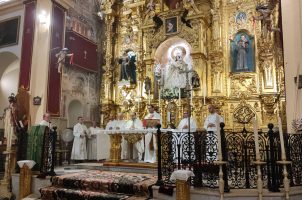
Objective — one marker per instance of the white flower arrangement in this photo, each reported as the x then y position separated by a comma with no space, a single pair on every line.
297,124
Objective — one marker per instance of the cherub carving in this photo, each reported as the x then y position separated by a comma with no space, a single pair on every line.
190,4
265,11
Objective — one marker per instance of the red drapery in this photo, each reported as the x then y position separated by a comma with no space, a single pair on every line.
27,44
56,44
84,51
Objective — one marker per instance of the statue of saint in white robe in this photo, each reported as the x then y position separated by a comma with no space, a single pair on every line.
175,78
92,143
9,126
211,138
150,154
79,151
138,147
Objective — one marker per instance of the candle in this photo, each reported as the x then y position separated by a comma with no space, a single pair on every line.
204,92
149,97
159,99
283,157
179,96
255,123
102,119
218,138
168,117
191,102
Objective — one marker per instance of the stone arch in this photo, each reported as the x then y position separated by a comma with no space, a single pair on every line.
74,110
9,76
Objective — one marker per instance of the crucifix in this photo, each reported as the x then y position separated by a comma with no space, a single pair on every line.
85,54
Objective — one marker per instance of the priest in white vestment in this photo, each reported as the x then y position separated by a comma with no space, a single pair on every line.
138,148
111,124
211,124
91,141
184,123
183,126
46,121
120,125
80,131
150,153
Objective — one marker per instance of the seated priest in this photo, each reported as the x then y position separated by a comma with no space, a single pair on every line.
92,142
80,131
150,138
112,122
138,148
184,123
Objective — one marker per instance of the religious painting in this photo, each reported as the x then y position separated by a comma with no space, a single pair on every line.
127,67
242,53
241,18
171,25
9,32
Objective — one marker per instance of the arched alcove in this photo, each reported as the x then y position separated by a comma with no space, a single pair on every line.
9,77
75,109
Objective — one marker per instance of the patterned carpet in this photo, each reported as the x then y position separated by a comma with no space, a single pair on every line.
95,184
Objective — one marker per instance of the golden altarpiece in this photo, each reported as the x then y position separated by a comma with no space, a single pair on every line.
233,49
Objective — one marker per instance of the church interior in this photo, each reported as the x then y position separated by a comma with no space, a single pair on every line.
150,99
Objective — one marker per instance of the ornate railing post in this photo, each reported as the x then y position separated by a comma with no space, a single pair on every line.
224,157
159,169
53,152
272,183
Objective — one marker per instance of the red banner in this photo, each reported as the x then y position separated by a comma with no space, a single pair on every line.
84,51
56,44
27,44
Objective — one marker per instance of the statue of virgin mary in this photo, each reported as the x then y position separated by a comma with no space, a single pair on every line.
175,78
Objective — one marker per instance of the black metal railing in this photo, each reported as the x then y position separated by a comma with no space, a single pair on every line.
238,149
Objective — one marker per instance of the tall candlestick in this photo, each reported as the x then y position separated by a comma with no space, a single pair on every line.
218,138
179,96
159,99
283,157
149,97
191,102
256,137
204,93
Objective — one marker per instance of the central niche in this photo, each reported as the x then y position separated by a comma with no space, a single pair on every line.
172,59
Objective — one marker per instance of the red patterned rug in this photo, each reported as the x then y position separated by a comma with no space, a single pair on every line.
95,184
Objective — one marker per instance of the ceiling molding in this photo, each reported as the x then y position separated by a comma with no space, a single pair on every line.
11,6
66,3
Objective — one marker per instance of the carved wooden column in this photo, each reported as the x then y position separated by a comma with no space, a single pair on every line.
25,177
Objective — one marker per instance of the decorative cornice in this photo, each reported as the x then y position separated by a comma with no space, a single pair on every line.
66,3
11,6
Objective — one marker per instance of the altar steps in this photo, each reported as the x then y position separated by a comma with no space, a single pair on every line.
99,185
141,168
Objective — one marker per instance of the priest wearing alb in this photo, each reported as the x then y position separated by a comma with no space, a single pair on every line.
120,122
79,151
184,123
150,138
138,148
211,124
112,122
92,142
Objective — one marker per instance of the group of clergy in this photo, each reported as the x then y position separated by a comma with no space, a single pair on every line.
143,150
84,143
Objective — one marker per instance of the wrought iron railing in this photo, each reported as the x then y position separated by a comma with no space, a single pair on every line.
197,151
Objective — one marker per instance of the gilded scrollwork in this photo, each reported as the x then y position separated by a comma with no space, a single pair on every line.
243,83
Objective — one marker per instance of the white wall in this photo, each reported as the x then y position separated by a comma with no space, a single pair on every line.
292,39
